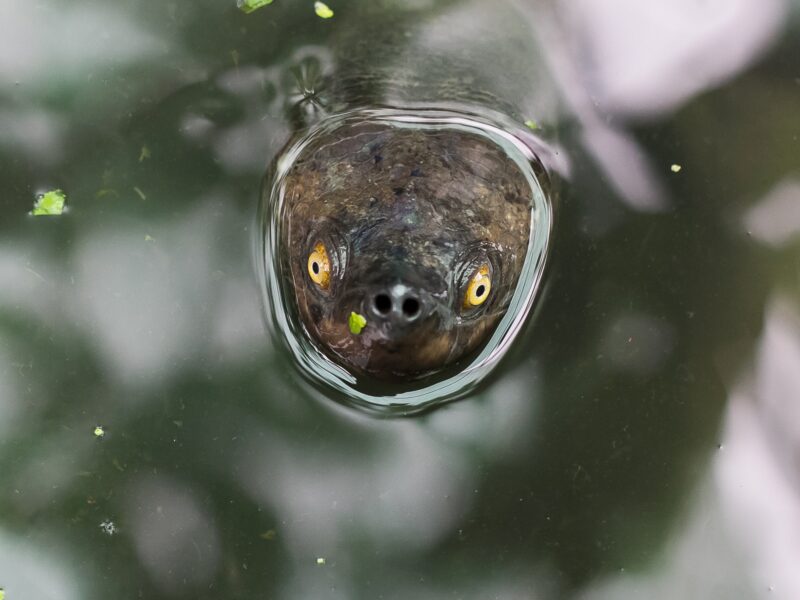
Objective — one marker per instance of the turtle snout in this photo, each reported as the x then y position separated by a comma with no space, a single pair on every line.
398,305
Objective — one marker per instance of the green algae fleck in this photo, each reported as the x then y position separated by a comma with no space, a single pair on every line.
50,203
323,10
248,6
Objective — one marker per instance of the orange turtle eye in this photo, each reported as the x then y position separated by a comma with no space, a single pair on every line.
319,266
478,288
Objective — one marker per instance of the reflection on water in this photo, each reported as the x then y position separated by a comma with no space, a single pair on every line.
90,37
37,570
638,440
758,471
638,69
637,343
775,220
173,533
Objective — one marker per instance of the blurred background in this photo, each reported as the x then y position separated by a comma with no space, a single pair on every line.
641,439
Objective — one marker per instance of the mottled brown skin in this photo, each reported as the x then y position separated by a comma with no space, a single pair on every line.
411,211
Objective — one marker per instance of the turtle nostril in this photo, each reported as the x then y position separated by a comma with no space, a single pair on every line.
410,307
383,304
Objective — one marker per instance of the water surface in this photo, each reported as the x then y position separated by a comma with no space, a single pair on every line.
639,440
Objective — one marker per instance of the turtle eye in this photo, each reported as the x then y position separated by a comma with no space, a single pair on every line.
319,266
478,288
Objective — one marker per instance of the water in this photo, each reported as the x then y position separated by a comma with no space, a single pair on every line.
639,438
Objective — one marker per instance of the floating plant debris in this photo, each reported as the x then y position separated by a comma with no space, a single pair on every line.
248,6
50,203
323,10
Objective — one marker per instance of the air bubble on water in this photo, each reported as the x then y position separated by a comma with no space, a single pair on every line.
108,527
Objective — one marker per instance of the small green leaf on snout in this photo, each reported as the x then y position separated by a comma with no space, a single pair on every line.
356,323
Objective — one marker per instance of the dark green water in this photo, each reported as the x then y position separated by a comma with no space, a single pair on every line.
640,440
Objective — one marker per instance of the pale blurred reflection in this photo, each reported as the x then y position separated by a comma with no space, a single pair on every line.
237,334
246,146
775,219
637,342
150,294
622,160
139,298
626,165
30,284
29,571
459,35
247,81
36,134
626,59
173,533
741,536
516,581
197,128
137,292
328,583
47,473
27,293
701,561
499,423
11,406
758,471
403,495
86,36
644,58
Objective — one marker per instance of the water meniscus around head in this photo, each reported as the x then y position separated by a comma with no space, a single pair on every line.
401,252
